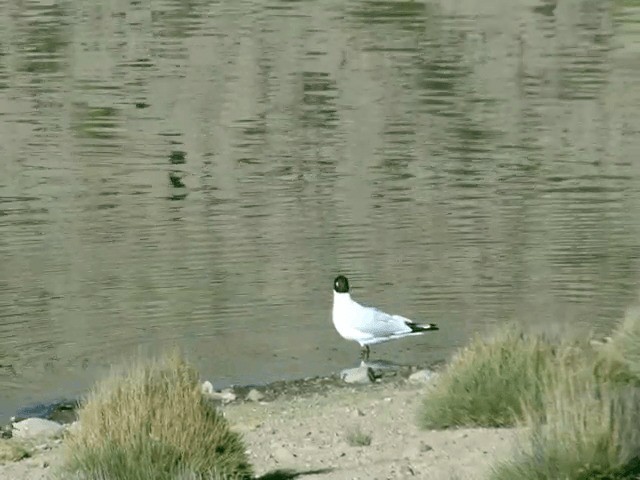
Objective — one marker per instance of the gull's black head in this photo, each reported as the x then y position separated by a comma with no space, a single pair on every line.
341,284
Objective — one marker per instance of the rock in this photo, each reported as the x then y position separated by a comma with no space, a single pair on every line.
207,387
37,428
6,431
10,451
425,447
598,343
283,455
254,395
74,427
422,376
407,471
385,369
225,396
361,374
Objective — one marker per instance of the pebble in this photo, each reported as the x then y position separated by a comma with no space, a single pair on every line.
422,376
207,387
6,431
407,470
254,395
225,396
74,427
359,375
283,455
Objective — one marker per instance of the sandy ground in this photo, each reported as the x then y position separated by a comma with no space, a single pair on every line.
306,436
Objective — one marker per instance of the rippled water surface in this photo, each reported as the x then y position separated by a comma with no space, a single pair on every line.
197,172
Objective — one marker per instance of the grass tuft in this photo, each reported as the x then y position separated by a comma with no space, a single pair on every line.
619,360
588,430
485,383
357,438
152,421
12,451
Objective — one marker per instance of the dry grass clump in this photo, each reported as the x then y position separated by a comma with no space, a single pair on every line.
358,438
151,421
12,451
588,429
486,382
619,359
589,423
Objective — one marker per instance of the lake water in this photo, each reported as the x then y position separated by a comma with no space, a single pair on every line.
196,173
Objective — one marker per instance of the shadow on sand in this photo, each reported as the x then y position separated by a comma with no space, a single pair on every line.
287,474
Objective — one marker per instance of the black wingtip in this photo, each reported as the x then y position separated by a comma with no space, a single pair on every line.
422,328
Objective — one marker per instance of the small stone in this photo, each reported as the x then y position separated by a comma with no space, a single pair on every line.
407,471
283,455
361,375
37,428
225,396
601,342
74,427
6,432
422,376
207,387
254,395
425,448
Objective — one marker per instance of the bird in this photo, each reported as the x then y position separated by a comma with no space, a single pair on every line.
368,325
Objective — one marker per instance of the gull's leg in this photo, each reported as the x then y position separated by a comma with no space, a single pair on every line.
364,353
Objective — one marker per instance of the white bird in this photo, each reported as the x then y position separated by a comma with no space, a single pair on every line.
368,325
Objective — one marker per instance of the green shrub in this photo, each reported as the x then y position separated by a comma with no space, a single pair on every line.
153,422
485,383
589,429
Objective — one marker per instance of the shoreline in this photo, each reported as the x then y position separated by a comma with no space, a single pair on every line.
302,429
63,411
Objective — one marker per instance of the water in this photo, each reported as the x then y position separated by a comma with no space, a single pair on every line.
197,173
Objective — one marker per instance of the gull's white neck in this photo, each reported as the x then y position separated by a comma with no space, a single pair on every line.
341,298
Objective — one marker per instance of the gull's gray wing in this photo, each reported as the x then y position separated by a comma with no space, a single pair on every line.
377,323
